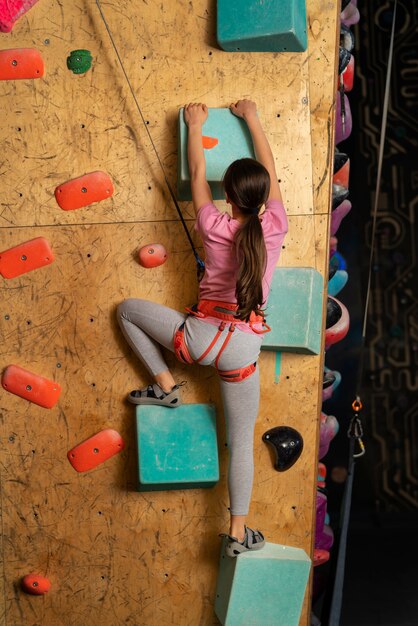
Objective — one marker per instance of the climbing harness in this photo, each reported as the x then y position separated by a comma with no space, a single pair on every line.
355,430
200,266
226,312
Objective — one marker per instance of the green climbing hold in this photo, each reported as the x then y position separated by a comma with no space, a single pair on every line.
79,61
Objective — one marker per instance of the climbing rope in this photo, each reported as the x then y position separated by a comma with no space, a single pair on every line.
355,429
200,266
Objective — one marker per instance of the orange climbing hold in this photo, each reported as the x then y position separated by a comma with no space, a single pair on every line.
84,190
95,450
25,257
36,584
20,63
209,142
30,386
152,255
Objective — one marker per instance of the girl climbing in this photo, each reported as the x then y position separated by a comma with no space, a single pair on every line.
225,329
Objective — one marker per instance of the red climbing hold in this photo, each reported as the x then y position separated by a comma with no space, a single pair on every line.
342,177
347,76
11,10
95,450
19,63
30,386
152,255
320,557
337,322
84,190
25,257
322,474
36,584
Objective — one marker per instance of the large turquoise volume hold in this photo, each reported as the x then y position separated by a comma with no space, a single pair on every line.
294,311
262,588
177,448
267,26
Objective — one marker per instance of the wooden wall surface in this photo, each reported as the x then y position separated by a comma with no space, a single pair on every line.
116,556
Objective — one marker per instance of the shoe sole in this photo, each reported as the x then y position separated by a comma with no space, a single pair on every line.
154,401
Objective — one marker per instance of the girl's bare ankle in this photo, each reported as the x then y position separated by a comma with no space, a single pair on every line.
239,534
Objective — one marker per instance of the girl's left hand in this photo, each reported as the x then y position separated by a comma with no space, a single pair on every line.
195,114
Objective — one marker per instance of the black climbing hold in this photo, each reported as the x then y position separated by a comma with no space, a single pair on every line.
287,444
343,60
340,159
334,313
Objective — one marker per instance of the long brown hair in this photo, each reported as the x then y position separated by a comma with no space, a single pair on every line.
247,185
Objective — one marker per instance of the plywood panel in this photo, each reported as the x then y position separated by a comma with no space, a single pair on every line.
70,524
66,125
323,33
115,555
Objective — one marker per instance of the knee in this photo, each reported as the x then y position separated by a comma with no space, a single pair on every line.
129,308
122,311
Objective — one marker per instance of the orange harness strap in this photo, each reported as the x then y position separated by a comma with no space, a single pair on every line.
225,343
236,376
212,343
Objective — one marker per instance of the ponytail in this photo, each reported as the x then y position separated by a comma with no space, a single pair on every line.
252,255
247,184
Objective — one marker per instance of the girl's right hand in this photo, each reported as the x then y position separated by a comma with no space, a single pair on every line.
244,108
195,113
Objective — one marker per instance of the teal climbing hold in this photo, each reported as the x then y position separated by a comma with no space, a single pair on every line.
226,138
79,61
267,26
337,282
177,448
263,588
294,311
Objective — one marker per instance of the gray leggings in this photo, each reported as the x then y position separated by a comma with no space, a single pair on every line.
147,326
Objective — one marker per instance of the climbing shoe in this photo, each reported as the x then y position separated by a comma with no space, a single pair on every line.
153,394
253,540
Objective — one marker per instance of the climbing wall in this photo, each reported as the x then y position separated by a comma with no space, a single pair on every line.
114,555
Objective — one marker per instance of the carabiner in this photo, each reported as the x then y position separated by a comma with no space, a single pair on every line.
362,448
